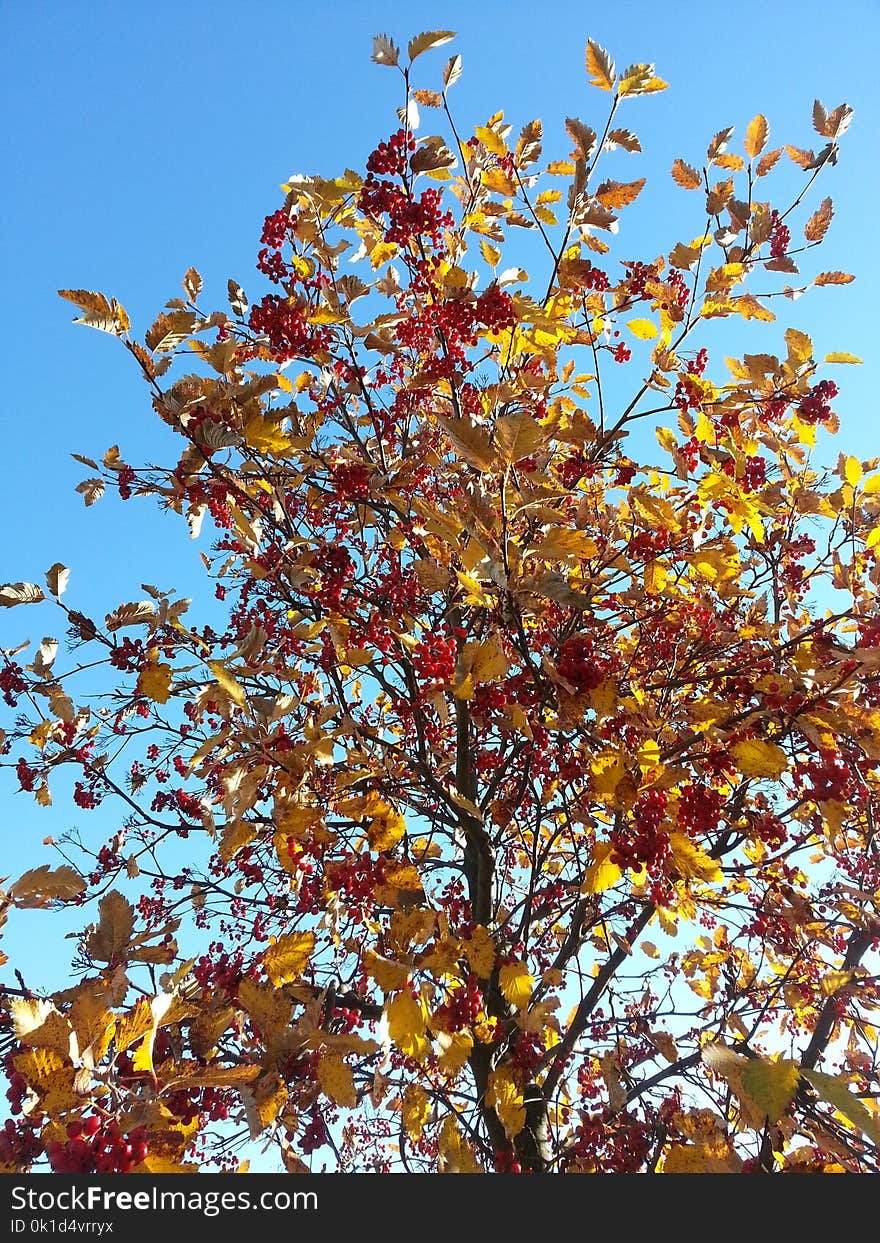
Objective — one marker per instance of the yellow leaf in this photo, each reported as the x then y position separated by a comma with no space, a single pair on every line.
406,1025
143,1057
228,683
386,827
840,356
602,873
756,136
154,681
852,471
644,329
607,772
288,957
516,984
506,1098
656,577
600,67
454,1153
756,758
415,1110
266,437
267,1006
764,1088
518,435
336,1080
836,1093
479,950
562,543
132,1026
42,885
603,698
382,252
389,975
833,981
691,860
109,940
455,1049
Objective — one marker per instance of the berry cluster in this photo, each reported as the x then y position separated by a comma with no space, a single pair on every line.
12,682
494,308
579,664
815,407
643,839
699,809
289,333
95,1147
192,1103
389,158
780,238
434,661
463,1007
19,1144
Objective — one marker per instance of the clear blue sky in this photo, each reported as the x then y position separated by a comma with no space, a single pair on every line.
143,138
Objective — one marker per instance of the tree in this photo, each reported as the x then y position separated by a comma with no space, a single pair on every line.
515,811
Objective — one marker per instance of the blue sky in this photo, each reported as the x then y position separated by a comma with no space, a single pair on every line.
145,138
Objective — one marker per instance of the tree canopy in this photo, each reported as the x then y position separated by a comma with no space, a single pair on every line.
512,806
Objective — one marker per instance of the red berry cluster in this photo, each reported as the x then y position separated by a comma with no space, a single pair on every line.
699,809
95,1147
603,1146
463,1007
289,333
579,664
575,467
219,970
828,777
780,238
27,776
189,1104
351,481
276,228
622,353
12,682
17,1090
494,308
389,158
815,407
596,279
336,568
434,661
643,839
19,1144
125,477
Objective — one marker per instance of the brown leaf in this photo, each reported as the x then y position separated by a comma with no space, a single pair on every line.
12,594
617,194
767,162
686,176
42,885
833,278
108,941
425,41
583,137
385,51
817,226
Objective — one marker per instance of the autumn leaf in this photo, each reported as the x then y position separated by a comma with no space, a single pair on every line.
516,984
154,681
757,132
755,757
336,1080
406,1025
602,874
600,67
287,957
686,176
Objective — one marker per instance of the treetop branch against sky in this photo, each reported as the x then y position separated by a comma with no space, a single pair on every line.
453,744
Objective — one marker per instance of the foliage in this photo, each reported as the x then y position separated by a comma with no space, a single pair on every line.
525,769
